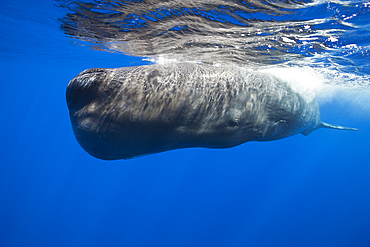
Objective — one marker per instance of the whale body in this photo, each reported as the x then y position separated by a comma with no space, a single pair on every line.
134,111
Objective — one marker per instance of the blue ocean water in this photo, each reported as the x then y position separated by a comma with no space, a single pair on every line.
301,191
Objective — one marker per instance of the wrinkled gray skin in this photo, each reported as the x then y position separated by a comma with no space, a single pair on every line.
133,111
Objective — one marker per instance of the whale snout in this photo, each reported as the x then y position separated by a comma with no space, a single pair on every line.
84,88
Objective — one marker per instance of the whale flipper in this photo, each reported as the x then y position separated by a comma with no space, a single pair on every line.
333,126
328,126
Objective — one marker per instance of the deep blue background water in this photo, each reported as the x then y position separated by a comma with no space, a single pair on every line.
300,191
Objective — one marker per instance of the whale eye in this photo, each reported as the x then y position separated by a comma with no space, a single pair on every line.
234,122
235,117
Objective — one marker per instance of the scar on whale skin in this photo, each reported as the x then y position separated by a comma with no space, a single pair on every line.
134,111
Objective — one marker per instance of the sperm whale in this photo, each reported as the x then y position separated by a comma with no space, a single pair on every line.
134,111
